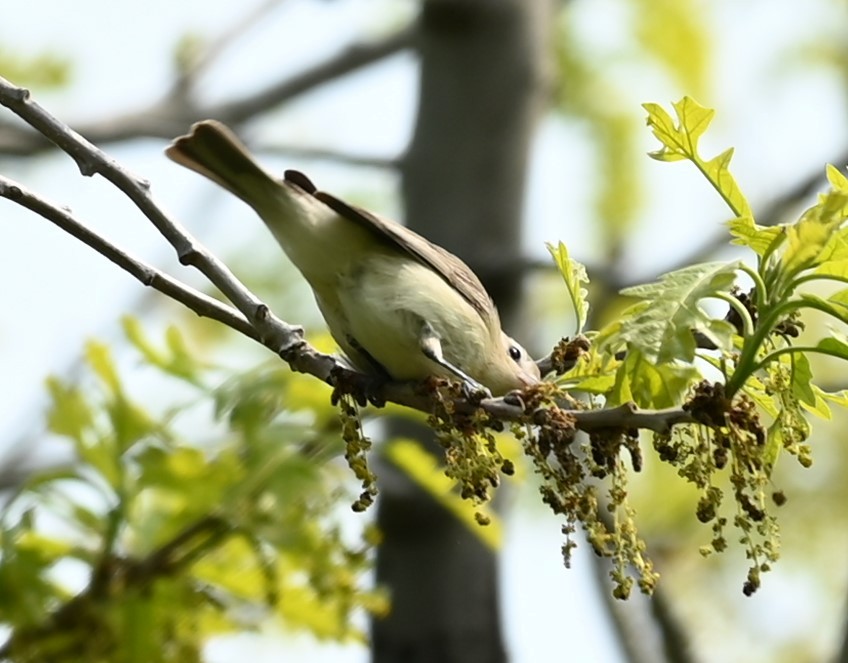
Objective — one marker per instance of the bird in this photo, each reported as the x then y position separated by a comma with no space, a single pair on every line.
399,306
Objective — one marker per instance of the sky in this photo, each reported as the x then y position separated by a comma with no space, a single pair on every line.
56,292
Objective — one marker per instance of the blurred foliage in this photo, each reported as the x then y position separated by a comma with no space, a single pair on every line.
669,37
44,70
184,526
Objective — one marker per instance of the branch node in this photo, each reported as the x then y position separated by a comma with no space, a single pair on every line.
189,256
21,94
87,167
11,192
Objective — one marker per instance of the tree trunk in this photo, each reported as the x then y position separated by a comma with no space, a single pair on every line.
483,78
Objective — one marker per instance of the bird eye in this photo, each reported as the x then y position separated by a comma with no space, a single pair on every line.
515,352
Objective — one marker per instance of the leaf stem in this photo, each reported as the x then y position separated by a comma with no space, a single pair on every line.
739,307
700,164
774,354
747,364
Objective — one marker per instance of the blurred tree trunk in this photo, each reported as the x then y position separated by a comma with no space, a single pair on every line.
483,82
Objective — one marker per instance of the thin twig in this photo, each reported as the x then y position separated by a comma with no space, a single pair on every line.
195,300
273,332
326,154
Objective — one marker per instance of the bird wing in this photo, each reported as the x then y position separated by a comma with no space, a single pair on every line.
445,264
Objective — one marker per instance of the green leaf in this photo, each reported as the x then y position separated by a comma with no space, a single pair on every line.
100,359
661,326
840,298
680,141
836,178
69,413
760,239
839,398
135,335
802,379
807,239
648,384
775,441
756,390
42,70
837,268
836,345
676,34
718,173
178,361
594,372
182,363
574,275
130,422
820,408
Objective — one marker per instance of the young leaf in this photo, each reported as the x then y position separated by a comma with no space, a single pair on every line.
802,379
680,141
69,413
135,335
594,373
100,359
178,361
649,384
836,345
574,275
809,240
661,326
760,239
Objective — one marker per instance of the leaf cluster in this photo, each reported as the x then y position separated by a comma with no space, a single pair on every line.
755,406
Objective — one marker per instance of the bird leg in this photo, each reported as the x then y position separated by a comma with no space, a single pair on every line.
431,346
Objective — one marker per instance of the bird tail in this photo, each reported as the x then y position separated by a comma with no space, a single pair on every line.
212,150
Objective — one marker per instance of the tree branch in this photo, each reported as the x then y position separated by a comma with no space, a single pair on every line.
274,333
195,300
253,318
319,153
171,115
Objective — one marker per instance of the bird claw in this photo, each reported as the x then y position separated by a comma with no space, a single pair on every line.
474,391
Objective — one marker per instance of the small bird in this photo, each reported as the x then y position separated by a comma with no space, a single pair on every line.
399,306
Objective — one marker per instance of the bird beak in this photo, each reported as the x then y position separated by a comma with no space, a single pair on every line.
526,379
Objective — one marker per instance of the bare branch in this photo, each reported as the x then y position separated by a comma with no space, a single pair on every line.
350,60
318,153
274,333
170,116
195,300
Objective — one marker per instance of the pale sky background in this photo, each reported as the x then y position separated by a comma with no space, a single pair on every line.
56,292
